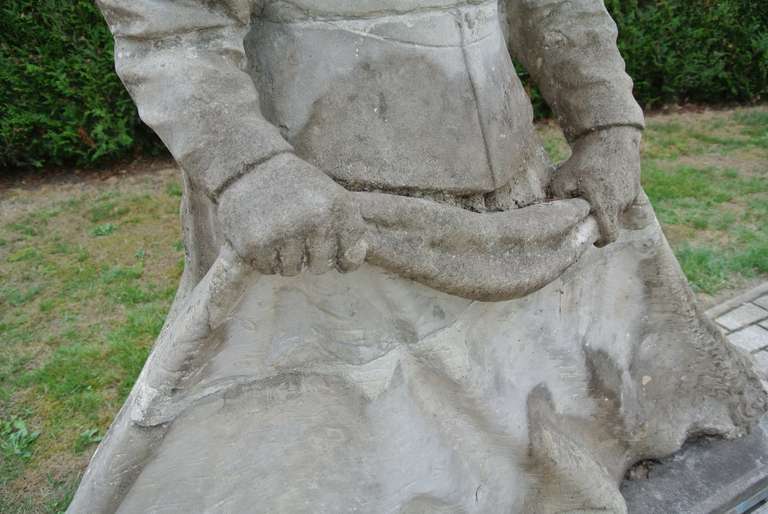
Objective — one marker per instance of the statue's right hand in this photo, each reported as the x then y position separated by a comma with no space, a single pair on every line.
286,215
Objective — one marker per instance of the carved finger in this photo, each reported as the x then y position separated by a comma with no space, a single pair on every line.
263,259
352,248
564,184
608,222
351,254
291,258
322,253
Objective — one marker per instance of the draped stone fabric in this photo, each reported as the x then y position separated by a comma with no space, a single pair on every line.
488,358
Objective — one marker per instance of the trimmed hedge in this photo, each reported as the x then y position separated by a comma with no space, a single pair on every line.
60,100
700,51
62,104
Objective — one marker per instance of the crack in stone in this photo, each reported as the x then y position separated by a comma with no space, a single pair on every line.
378,37
270,12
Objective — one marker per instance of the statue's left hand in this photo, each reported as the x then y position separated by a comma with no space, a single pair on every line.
605,170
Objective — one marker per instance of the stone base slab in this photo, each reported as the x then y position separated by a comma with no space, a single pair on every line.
707,476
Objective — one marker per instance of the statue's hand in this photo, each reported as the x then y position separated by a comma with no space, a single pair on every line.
286,215
605,170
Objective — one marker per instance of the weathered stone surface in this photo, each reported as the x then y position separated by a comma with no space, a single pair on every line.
482,355
762,302
742,316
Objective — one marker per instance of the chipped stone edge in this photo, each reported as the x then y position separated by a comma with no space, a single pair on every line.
729,305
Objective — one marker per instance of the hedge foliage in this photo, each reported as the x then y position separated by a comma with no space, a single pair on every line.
61,102
700,51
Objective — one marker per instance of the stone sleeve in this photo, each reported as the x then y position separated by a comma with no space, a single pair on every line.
181,61
569,48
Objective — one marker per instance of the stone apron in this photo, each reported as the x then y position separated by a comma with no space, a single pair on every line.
367,392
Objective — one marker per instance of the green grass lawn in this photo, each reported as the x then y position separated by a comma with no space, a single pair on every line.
88,270
87,278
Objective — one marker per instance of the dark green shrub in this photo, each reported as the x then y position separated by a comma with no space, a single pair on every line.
701,51
60,100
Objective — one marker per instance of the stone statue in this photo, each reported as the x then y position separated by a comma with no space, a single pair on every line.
503,336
